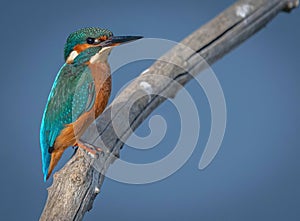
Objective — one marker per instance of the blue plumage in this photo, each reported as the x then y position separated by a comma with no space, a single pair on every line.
72,94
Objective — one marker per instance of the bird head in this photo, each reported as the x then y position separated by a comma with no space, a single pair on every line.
89,43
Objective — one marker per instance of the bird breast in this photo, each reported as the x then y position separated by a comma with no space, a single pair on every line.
102,81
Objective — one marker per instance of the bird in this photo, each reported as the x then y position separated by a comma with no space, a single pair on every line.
79,94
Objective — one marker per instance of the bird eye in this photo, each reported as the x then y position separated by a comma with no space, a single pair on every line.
90,41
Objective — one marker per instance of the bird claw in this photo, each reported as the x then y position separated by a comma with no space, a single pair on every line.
91,150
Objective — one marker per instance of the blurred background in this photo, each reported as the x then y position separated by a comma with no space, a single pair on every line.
255,175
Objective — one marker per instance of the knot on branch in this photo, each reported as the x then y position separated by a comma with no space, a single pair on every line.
77,179
291,5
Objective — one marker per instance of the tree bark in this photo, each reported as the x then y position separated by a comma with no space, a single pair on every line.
77,184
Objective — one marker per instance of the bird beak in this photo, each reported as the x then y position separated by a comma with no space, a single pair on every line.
118,40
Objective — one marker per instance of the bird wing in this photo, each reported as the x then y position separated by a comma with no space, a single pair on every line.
72,94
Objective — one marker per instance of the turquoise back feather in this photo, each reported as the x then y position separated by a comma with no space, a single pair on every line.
72,94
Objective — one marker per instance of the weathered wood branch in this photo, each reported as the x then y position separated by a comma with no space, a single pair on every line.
77,184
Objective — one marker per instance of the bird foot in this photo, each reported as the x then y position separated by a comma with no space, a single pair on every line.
93,150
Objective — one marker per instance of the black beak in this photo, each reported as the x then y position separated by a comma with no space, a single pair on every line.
117,40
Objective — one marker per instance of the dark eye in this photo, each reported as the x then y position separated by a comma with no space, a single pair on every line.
90,41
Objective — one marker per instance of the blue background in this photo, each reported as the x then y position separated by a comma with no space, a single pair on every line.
256,174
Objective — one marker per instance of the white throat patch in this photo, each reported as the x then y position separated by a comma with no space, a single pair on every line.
101,56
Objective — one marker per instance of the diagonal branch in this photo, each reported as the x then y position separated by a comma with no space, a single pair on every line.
77,184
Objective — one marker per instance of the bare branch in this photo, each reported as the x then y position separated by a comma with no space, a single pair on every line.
77,184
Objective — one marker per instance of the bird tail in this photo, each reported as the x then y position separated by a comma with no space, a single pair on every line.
46,158
55,157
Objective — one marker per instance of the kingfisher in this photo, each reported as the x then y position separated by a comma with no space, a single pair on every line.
79,93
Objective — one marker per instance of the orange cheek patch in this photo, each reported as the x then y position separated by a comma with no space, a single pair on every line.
81,47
